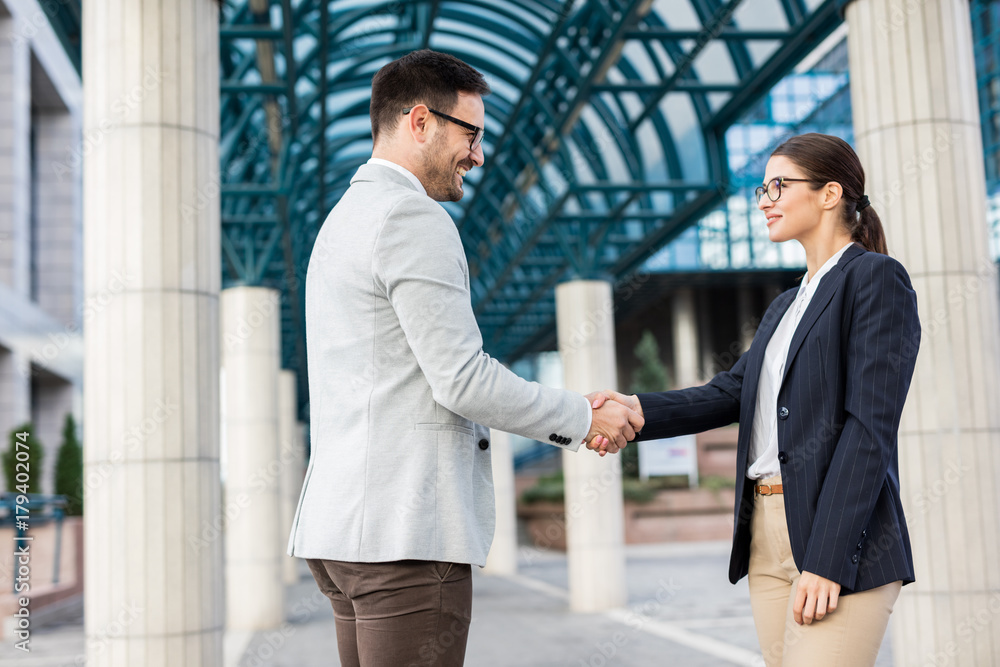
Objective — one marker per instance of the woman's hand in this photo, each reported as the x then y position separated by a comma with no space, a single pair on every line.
815,597
597,399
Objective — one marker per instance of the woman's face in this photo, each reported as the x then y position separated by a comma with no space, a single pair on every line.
797,213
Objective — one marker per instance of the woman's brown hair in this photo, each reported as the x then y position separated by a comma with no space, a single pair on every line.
825,159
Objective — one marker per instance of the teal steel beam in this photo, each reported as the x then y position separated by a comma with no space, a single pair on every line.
728,34
812,30
719,21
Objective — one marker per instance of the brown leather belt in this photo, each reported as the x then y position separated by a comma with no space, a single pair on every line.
767,489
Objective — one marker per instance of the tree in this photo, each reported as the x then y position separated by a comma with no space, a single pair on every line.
32,456
649,375
69,469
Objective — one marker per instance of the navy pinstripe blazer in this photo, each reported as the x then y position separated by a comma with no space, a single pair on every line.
849,367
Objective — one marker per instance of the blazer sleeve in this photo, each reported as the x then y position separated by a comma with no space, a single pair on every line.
695,409
881,351
421,267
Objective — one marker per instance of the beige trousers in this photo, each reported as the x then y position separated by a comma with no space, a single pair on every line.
849,636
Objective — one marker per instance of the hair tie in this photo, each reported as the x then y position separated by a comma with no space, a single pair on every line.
863,203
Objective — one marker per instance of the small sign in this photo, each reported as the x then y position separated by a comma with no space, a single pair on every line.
669,456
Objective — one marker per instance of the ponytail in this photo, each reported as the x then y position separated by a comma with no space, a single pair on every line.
868,231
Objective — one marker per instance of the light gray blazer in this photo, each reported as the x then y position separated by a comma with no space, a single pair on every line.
401,393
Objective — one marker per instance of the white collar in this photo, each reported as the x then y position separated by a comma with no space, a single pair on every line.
402,170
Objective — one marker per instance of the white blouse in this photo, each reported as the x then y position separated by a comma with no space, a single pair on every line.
764,434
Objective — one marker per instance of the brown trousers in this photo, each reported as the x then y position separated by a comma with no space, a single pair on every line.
849,636
407,613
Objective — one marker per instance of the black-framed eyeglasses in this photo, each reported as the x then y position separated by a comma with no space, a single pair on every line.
478,132
773,187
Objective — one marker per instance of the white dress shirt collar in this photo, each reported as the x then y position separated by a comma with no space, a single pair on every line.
402,170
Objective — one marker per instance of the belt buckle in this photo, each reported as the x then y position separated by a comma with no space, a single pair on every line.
761,489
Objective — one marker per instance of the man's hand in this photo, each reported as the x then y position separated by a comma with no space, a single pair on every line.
614,424
815,597
597,399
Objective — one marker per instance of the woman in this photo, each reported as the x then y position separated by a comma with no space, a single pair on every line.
819,523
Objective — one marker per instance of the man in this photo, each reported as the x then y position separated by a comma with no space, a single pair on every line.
398,501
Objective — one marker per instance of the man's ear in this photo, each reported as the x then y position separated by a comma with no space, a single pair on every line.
418,122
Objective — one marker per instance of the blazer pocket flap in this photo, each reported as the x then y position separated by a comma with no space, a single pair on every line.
457,428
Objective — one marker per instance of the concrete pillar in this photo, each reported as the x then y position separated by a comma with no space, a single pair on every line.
151,411
251,348
502,559
595,532
746,316
916,119
685,335
15,156
292,457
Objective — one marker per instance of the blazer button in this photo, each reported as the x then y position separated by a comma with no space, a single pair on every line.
553,437
782,457
783,413
484,444
859,546
854,559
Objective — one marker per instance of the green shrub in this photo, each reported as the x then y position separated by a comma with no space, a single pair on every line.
34,462
69,469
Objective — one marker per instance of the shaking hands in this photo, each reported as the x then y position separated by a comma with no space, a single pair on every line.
616,420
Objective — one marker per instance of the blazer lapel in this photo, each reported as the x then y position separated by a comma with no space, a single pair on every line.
828,286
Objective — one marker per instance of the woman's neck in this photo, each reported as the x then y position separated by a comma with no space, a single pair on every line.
821,248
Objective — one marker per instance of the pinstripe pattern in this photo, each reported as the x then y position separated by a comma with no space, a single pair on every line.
848,371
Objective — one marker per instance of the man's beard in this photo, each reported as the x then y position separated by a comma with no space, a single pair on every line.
440,174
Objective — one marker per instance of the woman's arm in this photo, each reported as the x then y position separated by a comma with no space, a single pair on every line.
880,356
695,409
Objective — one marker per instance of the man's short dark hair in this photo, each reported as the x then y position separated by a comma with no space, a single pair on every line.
420,77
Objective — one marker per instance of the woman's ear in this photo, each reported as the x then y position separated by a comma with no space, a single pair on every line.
832,194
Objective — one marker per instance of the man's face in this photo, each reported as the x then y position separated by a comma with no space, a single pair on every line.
448,158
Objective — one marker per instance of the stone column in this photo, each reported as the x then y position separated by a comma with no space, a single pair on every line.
503,554
292,457
151,411
916,119
685,335
595,532
251,344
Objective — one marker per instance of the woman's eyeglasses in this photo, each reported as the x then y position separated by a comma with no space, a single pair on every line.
773,187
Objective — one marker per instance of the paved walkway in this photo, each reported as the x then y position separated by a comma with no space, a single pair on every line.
682,611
